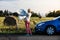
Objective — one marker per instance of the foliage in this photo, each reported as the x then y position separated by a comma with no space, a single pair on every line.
53,14
1,12
15,14
35,14
8,13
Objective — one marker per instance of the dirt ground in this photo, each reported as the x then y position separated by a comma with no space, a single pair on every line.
33,37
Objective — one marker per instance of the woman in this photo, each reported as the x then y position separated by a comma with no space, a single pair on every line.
27,23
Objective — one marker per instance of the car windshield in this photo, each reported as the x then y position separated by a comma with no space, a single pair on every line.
56,18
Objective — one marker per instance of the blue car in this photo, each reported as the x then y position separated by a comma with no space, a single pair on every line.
50,27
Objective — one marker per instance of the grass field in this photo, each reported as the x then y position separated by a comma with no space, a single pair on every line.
21,25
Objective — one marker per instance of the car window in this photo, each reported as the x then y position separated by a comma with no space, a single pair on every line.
59,19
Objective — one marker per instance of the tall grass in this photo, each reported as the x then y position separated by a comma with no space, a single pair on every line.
21,24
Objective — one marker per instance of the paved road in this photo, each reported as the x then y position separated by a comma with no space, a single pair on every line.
33,37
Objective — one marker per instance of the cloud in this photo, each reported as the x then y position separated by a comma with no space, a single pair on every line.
36,5
8,5
8,0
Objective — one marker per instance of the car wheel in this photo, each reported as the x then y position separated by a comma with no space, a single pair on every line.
36,31
50,30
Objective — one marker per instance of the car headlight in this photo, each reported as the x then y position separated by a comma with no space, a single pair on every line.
40,24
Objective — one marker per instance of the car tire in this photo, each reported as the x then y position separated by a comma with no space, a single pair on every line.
50,30
36,32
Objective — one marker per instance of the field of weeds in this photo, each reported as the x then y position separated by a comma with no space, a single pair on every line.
21,25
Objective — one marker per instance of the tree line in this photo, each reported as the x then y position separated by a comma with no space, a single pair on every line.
50,14
53,14
8,13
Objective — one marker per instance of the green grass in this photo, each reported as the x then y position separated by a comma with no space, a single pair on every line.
21,25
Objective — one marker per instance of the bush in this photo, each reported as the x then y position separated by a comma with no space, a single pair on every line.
15,14
53,14
34,15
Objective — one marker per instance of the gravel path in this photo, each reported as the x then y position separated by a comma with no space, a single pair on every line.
33,37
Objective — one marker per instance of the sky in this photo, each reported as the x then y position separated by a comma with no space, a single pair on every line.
39,6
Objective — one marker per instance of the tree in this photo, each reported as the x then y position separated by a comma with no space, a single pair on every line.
10,13
34,14
49,14
15,14
54,14
39,15
6,13
1,13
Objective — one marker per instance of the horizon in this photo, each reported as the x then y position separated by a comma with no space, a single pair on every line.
38,6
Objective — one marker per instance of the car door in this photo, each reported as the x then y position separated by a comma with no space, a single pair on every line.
58,24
